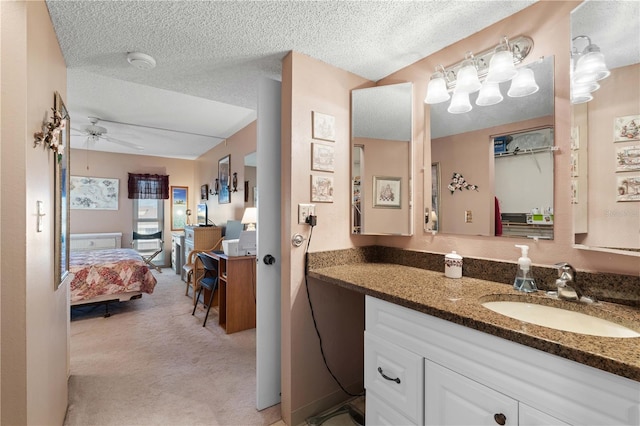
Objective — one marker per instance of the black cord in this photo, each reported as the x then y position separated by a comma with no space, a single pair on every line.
315,324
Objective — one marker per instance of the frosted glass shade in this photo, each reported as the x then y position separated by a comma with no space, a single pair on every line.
489,94
437,91
467,79
590,67
460,103
501,67
581,93
523,84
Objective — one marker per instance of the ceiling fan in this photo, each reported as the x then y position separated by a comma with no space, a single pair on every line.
94,133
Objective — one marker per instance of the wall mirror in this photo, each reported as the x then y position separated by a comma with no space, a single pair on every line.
494,164
605,179
381,166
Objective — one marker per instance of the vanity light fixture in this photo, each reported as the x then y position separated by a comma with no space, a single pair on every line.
587,68
494,66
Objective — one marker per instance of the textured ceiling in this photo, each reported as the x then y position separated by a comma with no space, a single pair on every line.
211,54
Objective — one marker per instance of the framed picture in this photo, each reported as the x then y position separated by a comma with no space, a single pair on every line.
386,192
224,167
179,203
575,137
204,192
574,191
626,128
628,158
323,126
322,188
61,223
628,188
94,193
322,157
574,163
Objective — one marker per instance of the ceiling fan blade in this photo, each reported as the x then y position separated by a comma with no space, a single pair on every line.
123,143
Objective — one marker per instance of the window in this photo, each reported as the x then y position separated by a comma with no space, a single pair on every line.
148,217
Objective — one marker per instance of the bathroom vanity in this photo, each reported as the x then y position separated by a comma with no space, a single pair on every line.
435,355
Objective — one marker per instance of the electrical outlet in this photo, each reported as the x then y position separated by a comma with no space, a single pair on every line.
304,211
468,217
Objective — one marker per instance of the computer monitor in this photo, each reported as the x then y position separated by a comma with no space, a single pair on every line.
233,229
202,218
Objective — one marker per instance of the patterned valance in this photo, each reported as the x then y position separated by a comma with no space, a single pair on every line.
145,186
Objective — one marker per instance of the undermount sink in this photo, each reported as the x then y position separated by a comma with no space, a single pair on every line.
560,319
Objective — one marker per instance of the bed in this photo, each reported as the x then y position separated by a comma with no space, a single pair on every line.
102,272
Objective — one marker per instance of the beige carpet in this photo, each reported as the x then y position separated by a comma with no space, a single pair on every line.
152,363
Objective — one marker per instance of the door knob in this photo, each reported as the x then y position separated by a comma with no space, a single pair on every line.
269,260
500,418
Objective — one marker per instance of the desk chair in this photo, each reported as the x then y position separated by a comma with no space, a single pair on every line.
192,273
148,255
208,281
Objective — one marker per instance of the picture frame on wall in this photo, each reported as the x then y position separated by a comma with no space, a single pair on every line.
628,158
62,197
224,169
94,193
204,192
628,187
179,203
323,126
322,157
386,191
322,188
626,128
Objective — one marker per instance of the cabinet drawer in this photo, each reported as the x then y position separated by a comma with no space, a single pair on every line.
395,375
379,413
189,234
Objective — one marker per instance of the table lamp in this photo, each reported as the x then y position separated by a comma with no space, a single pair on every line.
250,218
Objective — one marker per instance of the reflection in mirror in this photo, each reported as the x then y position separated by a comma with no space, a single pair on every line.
496,164
605,159
381,166
250,176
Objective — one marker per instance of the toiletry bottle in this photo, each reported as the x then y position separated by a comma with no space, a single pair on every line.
524,278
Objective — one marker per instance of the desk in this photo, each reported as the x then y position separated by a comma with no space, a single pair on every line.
236,291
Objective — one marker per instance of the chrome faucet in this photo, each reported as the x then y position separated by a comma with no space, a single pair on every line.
567,283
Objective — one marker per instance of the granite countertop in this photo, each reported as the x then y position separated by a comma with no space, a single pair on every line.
460,301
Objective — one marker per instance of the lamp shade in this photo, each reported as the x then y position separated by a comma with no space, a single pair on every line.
590,66
250,217
523,84
468,80
501,67
437,90
460,103
489,94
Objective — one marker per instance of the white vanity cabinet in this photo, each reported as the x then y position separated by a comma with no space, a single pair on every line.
440,373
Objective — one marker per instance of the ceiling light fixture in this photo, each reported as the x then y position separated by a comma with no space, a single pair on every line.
141,60
494,66
587,68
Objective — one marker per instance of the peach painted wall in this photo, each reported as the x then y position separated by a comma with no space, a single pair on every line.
548,23
113,165
206,170
34,316
611,222
307,388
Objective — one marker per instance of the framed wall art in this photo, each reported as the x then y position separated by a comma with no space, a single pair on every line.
386,192
322,157
61,198
322,188
323,126
94,193
628,158
204,192
626,128
224,168
628,187
179,203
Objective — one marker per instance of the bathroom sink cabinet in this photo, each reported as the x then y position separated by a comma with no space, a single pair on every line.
424,370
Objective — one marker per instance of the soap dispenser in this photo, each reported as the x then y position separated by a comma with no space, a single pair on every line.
524,278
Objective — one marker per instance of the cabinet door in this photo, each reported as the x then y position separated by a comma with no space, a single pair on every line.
452,399
380,414
529,416
395,375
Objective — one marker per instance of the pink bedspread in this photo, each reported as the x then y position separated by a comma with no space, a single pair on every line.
111,271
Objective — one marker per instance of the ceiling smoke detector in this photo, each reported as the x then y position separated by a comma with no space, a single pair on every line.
141,60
